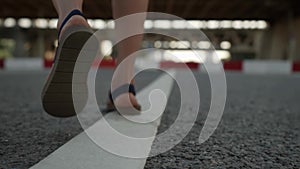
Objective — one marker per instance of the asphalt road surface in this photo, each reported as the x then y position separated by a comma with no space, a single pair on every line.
260,127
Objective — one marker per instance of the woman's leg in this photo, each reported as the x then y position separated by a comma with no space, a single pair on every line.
128,46
64,7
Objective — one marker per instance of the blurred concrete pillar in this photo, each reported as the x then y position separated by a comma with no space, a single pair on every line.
281,41
296,40
257,43
40,43
275,42
20,41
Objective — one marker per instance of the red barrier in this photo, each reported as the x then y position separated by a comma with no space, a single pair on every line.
107,64
233,65
193,65
170,65
296,67
48,63
104,64
1,63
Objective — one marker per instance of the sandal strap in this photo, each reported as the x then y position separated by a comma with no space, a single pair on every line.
126,88
70,15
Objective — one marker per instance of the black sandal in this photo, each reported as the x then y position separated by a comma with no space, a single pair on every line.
57,93
126,88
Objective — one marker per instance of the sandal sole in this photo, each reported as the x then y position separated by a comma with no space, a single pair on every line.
64,81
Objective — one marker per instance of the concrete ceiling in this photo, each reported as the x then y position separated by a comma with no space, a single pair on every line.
270,10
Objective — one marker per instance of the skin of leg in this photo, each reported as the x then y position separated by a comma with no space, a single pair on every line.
128,46
64,7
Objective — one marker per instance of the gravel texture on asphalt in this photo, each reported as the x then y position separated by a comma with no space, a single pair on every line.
259,128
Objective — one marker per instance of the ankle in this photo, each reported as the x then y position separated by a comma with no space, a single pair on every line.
76,20
63,15
126,100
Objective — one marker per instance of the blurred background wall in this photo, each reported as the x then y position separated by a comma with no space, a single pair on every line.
244,29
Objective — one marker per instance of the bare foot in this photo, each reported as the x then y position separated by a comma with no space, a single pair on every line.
75,20
126,100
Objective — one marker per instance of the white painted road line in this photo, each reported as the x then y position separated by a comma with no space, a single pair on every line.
82,153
